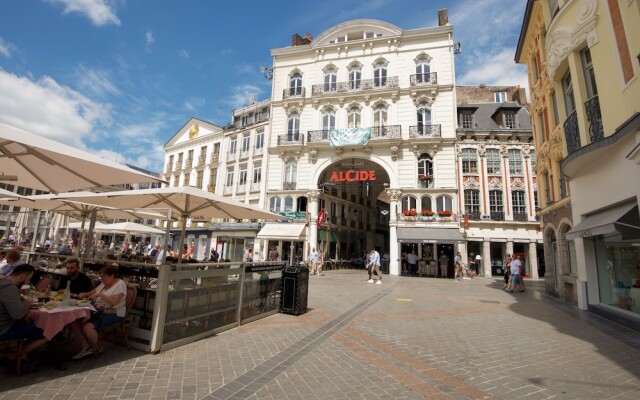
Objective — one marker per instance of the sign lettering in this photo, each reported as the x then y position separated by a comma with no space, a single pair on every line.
353,175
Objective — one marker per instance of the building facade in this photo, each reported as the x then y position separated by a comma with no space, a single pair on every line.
497,182
228,161
582,60
363,143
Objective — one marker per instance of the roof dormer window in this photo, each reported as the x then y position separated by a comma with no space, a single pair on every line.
500,97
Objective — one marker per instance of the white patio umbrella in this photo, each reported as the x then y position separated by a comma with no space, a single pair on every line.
80,225
7,195
59,221
186,201
36,162
23,221
129,227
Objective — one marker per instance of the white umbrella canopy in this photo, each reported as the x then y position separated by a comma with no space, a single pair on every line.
129,227
78,225
36,162
77,209
186,201
7,195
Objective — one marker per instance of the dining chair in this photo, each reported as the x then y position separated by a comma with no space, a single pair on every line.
132,292
44,283
12,346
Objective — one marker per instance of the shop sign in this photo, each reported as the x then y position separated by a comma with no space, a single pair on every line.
294,214
321,217
353,175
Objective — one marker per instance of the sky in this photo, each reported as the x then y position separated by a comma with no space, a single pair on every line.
120,77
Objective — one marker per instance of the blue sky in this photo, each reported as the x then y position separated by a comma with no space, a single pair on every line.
120,77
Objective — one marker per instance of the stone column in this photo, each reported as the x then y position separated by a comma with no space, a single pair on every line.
313,197
510,247
533,261
486,259
394,251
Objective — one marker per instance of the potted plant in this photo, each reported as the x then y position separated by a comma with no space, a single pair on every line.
445,213
425,177
409,213
427,213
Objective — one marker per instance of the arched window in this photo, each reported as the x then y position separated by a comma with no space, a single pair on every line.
422,71
288,203
291,172
425,165
330,80
274,204
295,85
380,116
380,74
328,119
425,203
424,119
354,117
354,78
444,203
293,129
408,203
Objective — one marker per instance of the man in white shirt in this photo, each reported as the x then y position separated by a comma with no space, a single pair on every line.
313,258
162,254
514,283
375,266
412,260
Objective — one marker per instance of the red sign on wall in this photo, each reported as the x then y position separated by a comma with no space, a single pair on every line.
321,218
353,175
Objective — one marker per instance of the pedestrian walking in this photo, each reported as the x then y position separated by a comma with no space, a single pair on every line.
457,273
444,264
375,267
507,271
313,260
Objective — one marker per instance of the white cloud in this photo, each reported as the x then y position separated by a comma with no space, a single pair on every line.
496,69
100,12
183,53
140,143
194,103
149,39
96,81
6,48
240,95
47,108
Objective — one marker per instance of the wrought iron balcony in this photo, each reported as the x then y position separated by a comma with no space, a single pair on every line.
178,167
430,78
474,216
594,116
293,92
572,133
390,82
386,132
333,219
189,164
290,138
497,215
201,160
424,131
289,185
215,158
520,216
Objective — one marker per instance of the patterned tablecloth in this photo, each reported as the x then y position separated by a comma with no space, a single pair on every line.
53,321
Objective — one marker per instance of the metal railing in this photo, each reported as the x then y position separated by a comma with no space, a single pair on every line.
424,131
390,82
497,215
295,138
293,92
592,107
474,216
386,132
572,133
520,217
430,78
289,185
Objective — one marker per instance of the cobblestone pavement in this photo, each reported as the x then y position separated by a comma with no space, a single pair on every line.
409,338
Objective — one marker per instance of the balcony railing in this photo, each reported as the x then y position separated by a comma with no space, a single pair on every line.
293,92
594,116
572,133
189,164
333,219
520,216
424,131
474,216
430,78
296,138
289,185
201,160
390,82
178,167
386,132
215,158
169,167
497,215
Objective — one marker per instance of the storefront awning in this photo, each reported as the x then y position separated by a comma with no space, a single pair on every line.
622,219
282,231
433,235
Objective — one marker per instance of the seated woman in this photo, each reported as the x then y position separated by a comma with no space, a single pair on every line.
109,298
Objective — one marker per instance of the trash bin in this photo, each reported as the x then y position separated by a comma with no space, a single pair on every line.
385,265
294,290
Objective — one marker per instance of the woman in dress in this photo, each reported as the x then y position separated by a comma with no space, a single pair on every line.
109,298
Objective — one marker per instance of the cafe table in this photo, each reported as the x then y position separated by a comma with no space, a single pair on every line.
52,321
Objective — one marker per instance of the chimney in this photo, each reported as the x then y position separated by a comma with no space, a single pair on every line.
308,36
252,99
296,40
443,17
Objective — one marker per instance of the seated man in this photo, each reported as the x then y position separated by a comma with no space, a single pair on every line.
80,283
13,309
13,260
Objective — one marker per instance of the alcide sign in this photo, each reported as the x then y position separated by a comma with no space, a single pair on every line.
353,175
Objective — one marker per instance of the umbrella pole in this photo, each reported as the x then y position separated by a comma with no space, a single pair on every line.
92,225
81,239
183,230
35,234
